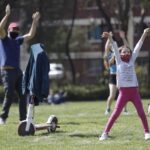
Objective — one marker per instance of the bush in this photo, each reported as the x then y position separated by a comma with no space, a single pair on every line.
145,92
86,92
92,92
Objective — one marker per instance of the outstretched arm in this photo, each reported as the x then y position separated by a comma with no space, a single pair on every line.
112,60
107,46
31,33
114,45
140,42
146,31
107,50
105,57
106,53
4,21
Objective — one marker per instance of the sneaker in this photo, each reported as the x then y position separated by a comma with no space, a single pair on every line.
125,112
148,109
147,136
103,137
2,121
107,112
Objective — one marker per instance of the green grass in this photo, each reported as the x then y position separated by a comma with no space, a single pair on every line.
80,125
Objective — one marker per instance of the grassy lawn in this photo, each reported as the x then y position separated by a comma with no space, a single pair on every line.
81,124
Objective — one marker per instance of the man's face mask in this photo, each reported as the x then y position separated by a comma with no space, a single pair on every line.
13,34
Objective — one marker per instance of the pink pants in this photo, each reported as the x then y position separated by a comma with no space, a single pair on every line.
125,95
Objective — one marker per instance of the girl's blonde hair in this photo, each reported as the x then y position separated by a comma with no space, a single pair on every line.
122,47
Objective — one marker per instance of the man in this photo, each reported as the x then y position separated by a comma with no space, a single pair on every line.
11,73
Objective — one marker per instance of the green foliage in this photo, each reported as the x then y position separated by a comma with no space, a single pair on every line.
145,3
145,92
142,75
88,92
85,92
57,36
92,92
79,40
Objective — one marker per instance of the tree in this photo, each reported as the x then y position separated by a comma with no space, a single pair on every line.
121,11
52,29
102,11
145,4
117,9
68,42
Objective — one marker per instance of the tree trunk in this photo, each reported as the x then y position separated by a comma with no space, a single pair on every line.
40,31
130,28
142,26
68,43
105,16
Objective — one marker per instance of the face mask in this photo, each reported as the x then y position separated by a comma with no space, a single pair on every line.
125,58
13,35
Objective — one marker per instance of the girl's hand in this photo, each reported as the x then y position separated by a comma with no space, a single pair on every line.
105,34
147,30
122,34
36,16
8,9
110,34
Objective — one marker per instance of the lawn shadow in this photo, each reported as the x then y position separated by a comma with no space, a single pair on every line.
70,123
84,135
111,137
88,122
45,133
77,123
88,135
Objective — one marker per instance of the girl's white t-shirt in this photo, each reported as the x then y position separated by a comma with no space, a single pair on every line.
126,75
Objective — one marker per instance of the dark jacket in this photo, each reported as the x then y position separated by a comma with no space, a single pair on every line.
36,80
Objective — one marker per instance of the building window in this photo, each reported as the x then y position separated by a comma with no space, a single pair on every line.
93,68
137,2
90,4
94,34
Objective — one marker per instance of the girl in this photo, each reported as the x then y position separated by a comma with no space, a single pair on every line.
127,83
